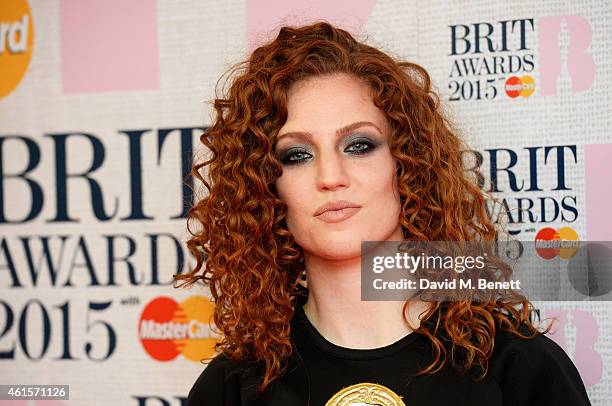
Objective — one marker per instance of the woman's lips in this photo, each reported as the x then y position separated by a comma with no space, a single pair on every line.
336,216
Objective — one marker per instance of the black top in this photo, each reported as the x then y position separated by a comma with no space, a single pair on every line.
521,372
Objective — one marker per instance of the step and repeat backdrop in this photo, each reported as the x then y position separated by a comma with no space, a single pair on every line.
101,106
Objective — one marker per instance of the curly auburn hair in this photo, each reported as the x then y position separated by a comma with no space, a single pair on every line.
243,248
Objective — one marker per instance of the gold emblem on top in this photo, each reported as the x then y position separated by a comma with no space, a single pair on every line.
365,394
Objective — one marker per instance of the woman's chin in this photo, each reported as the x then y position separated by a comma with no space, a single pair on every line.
336,249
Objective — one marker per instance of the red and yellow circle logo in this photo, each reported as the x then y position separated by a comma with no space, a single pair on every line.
523,86
167,328
550,242
16,42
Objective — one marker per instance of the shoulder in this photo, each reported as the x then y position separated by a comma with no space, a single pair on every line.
221,382
536,352
208,387
535,371
215,370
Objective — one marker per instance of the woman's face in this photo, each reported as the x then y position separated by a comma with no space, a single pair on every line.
333,147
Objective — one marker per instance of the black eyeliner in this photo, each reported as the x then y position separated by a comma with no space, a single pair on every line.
371,142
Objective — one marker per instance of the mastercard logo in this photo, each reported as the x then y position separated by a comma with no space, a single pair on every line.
550,243
167,328
16,39
519,86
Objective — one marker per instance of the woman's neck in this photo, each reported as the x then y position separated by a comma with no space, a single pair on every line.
336,310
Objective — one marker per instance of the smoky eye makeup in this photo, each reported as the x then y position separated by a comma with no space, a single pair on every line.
293,155
353,144
369,141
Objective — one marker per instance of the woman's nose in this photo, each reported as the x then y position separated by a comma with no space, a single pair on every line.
331,171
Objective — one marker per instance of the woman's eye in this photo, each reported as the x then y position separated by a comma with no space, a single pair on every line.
297,156
360,147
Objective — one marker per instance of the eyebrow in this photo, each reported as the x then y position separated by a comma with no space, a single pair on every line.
339,133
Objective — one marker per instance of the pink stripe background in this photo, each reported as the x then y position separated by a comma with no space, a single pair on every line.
598,185
264,16
109,45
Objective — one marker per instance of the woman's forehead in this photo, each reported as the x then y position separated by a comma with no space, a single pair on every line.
327,103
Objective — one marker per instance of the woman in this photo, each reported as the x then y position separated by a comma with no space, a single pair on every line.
320,143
